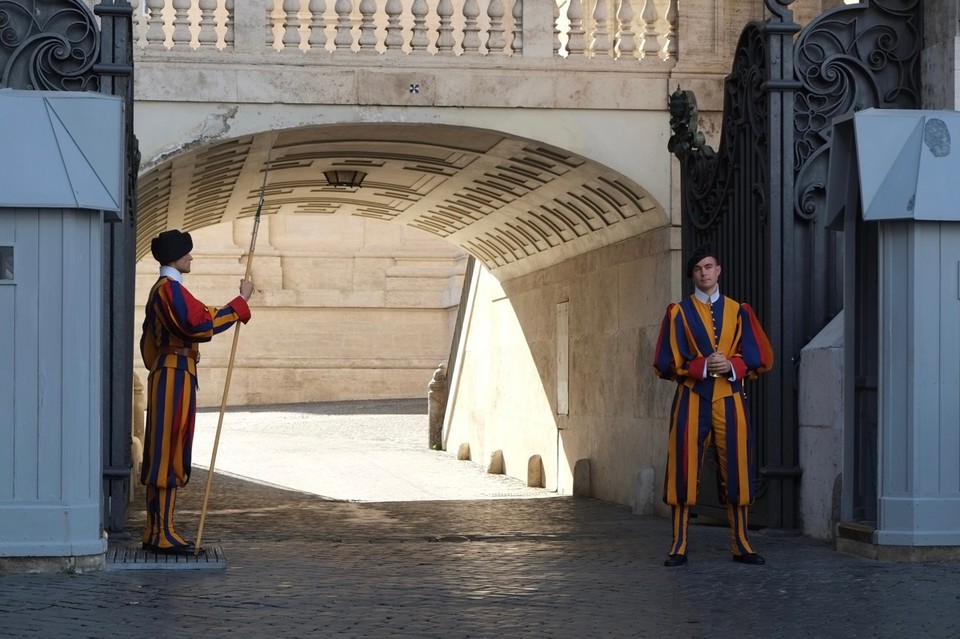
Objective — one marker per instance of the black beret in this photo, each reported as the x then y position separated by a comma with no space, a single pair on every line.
170,246
702,251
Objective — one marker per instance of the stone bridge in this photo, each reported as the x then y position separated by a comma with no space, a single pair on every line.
519,134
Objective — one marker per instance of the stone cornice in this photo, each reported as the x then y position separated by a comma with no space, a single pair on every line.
545,84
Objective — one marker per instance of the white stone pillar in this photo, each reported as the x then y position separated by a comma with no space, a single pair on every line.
537,29
250,25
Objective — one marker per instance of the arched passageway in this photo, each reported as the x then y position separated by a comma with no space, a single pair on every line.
516,205
543,222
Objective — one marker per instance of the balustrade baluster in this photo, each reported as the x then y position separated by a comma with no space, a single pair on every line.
140,27
156,38
445,39
344,38
613,28
672,14
228,34
471,32
318,33
181,24
270,38
517,45
419,42
291,26
394,40
496,43
651,44
601,28
368,30
208,23
556,29
576,41
626,38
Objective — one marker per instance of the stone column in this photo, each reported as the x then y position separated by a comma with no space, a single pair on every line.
939,60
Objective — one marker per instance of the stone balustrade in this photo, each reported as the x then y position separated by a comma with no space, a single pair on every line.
594,30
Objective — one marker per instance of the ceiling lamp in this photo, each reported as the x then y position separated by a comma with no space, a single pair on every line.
352,179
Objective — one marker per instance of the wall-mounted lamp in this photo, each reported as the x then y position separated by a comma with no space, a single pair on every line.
352,179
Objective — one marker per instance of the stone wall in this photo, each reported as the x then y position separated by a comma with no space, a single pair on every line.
616,412
345,308
939,59
820,421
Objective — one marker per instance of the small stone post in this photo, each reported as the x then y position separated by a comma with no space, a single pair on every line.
137,432
437,406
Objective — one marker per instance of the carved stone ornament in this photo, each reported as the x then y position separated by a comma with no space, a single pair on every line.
48,45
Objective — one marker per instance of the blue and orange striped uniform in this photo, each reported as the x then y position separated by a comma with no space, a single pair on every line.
710,410
174,324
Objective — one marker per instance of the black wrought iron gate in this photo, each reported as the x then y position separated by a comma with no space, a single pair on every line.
760,200
57,45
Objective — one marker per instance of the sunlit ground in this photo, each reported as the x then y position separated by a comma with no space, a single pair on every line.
335,451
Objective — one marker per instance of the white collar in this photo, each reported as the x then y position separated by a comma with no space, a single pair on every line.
707,299
172,273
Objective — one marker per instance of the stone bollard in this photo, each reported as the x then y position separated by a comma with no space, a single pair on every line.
496,463
137,432
581,478
437,406
463,453
535,472
643,490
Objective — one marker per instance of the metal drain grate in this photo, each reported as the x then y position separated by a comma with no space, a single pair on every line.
135,558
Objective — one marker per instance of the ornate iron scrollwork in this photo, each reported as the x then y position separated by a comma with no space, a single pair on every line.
49,46
848,59
710,174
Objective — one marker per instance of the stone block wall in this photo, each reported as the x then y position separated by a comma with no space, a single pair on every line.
820,408
345,308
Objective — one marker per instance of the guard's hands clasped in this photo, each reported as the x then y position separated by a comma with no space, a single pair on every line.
718,365
246,289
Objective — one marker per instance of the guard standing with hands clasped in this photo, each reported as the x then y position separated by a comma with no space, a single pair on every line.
709,344
174,324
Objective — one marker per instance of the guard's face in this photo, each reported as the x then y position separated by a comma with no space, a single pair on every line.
183,264
706,272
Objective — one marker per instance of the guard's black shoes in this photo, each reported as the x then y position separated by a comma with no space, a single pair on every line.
673,561
752,559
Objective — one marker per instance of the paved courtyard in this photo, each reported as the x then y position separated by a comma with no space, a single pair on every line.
312,552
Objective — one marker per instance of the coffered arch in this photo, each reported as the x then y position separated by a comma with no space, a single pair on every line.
515,204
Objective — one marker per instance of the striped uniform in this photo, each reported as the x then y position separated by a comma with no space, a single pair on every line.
175,322
710,410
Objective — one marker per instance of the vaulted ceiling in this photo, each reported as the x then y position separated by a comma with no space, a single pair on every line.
514,204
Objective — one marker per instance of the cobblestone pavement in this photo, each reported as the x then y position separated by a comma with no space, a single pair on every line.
303,565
